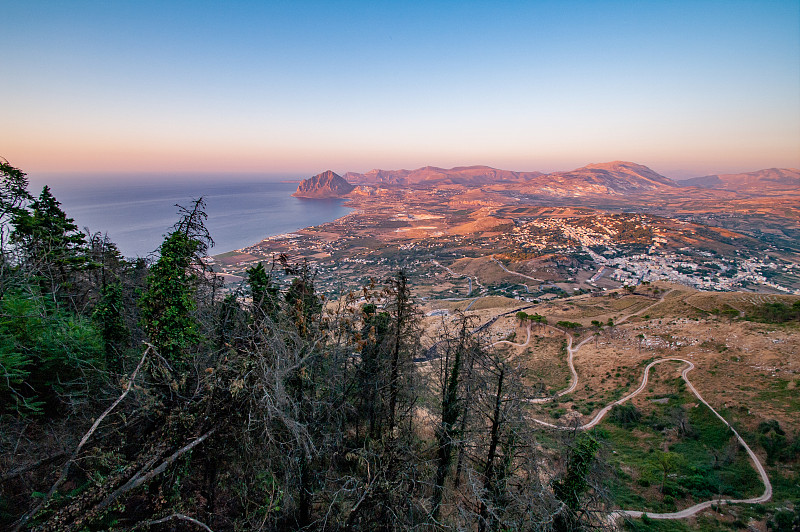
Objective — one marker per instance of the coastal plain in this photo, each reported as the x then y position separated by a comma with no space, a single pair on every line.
634,272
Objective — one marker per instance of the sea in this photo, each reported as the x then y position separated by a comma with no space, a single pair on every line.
137,211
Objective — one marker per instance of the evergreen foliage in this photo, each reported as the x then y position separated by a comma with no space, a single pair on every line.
49,244
775,312
108,314
141,396
168,304
49,356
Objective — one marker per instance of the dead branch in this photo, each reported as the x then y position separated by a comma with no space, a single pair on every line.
169,518
138,479
63,476
114,405
30,467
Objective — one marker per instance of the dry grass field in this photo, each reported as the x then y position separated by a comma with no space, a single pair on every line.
747,370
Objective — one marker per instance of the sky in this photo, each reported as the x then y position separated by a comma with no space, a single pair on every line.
686,87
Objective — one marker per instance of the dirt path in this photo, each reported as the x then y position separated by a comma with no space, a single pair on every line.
457,275
686,512
648,307
503,266
570,355
513,343
692,510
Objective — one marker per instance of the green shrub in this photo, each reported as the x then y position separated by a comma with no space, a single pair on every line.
46,354
626,415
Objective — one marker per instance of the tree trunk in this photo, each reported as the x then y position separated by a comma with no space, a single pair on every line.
488,476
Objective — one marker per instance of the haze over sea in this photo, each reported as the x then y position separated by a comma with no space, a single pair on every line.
136,211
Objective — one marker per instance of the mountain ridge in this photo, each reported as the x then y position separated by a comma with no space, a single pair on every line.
614,178
465,175
774,179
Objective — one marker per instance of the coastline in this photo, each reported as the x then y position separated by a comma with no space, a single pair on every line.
354,211
136,215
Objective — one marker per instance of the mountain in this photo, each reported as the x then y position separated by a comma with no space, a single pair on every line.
461,175
768,180
325,185
618,177
614,178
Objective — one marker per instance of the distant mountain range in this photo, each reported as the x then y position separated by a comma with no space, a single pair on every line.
772,179
461,175
617,178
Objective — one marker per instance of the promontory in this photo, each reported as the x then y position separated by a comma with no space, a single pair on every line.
325,185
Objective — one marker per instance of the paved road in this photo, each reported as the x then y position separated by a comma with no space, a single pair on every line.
471,303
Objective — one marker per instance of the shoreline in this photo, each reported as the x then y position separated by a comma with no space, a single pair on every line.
271,238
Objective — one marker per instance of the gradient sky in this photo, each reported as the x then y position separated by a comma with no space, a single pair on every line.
687,88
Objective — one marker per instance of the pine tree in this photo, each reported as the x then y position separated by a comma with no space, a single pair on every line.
49,243
108,315
168,304
404,323
13,194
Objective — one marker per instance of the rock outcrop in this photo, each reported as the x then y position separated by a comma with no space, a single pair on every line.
325,185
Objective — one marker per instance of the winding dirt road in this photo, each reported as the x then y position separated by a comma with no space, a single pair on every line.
459,275
503,266
573,381
692,510
686,512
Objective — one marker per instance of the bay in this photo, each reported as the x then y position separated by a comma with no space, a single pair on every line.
137,212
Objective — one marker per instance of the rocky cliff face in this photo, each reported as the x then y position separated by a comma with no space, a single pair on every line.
324,185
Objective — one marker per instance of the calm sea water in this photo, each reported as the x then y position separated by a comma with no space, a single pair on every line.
136,214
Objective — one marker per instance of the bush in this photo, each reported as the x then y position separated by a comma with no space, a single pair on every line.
699,485
776,313
626,416
784,520
46,353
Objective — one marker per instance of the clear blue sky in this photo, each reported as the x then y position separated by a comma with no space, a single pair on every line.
687,88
